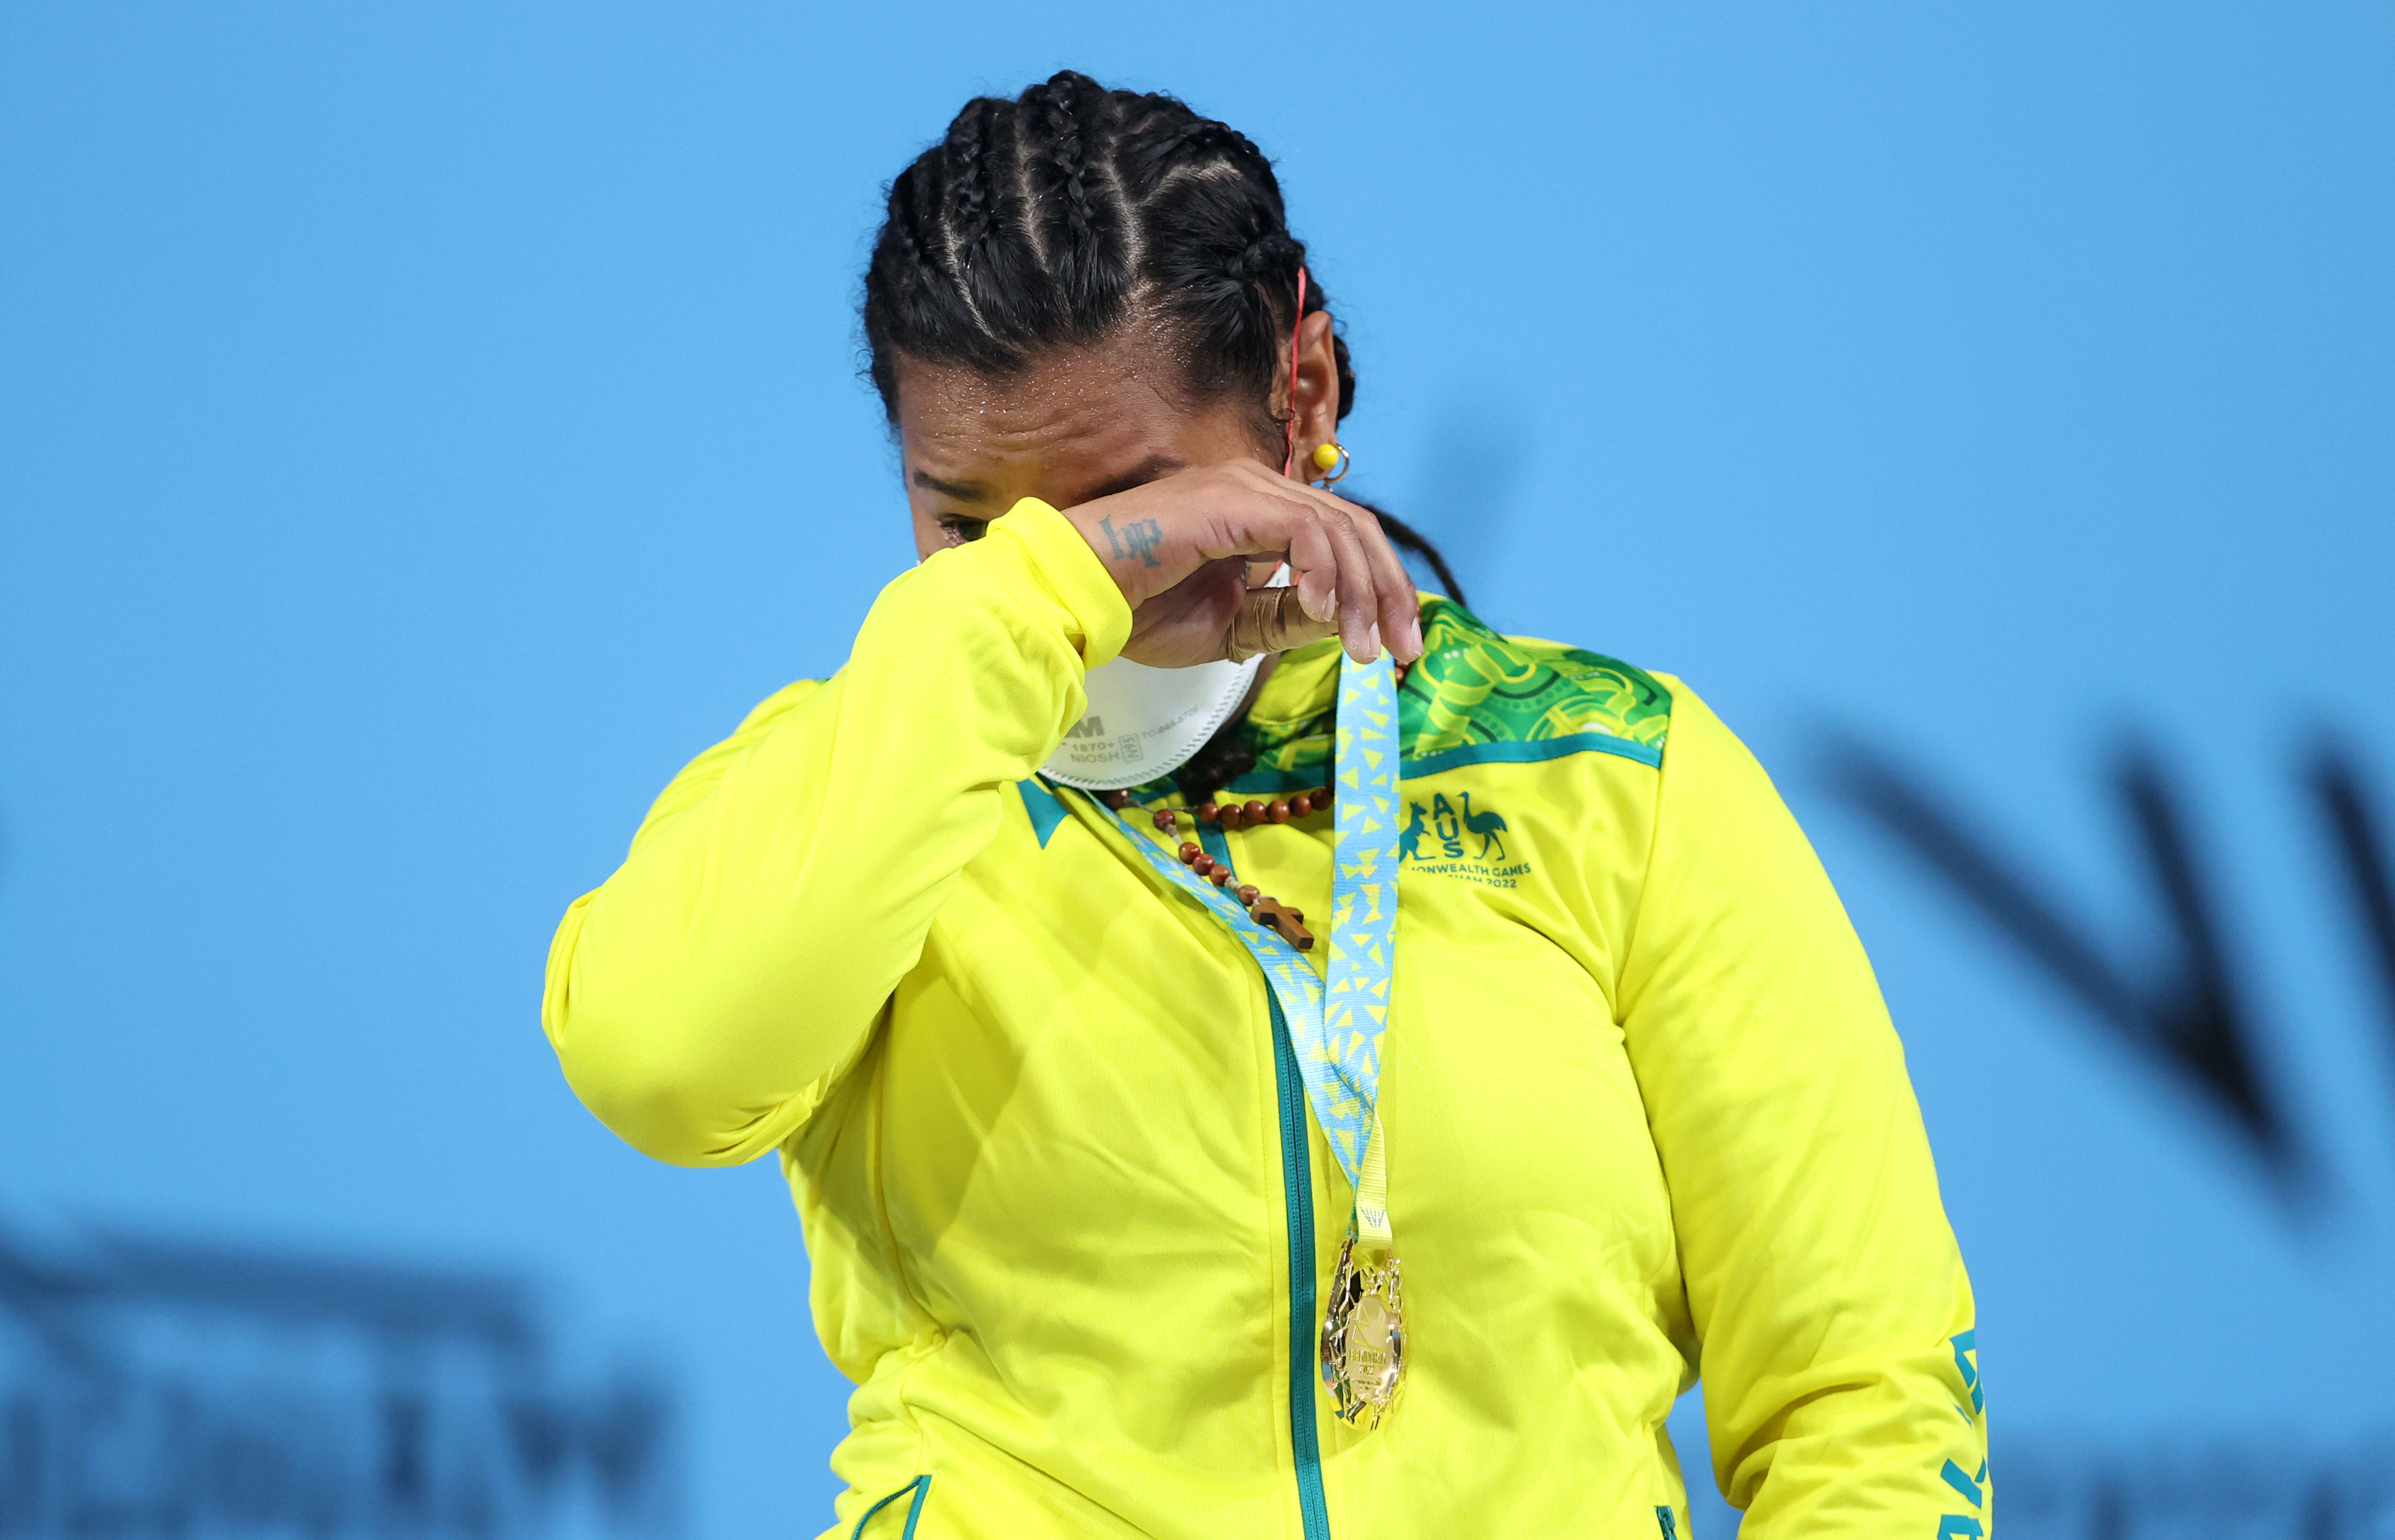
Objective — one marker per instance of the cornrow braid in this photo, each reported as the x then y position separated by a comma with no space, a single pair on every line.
964,164
1040,222
1079,231
1407,538
1066,150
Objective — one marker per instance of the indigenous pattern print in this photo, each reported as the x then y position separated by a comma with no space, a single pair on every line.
1473,685
1474,695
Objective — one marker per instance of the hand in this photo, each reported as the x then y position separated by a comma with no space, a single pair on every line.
1180,547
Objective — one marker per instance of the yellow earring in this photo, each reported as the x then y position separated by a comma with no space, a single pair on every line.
1332,460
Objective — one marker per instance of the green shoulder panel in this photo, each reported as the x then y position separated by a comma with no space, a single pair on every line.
1477,696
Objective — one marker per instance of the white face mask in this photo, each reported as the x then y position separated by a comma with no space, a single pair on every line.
1145,722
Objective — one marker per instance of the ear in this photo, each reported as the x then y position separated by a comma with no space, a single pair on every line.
1317,390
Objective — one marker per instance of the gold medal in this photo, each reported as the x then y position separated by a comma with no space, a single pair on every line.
1364,1336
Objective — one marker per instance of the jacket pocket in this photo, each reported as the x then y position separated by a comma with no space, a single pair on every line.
919,1488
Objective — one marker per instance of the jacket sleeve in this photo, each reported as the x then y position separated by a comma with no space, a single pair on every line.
702,1001
1838,1360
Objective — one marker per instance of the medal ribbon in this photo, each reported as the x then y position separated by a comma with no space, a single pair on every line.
1336,1024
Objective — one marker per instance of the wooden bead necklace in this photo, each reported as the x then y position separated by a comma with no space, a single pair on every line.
1265,910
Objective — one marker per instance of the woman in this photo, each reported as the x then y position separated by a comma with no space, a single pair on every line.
1138,1207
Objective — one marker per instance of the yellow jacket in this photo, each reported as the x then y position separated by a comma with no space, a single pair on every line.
1069,1220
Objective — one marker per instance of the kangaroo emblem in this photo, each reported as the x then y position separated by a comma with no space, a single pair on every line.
1410,837
1488,826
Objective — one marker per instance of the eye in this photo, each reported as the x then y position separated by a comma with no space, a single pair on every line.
957,529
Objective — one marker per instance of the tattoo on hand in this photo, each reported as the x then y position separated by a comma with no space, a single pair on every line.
1139,540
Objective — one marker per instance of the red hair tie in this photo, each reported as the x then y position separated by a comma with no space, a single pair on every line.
1290,464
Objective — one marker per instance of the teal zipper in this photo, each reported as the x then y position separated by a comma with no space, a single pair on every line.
1297,1184
1297,1192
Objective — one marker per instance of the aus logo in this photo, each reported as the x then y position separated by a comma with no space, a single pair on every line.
1456,839
1444,822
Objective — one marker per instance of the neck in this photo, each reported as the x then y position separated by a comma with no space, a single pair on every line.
1226,756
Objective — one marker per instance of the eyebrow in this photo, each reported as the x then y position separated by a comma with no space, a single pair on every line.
1147,470
965,492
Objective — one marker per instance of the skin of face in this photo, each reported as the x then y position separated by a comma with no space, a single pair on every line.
1082,423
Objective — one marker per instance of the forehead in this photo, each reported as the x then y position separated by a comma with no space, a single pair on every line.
1071,415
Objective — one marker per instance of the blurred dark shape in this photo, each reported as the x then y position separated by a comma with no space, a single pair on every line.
2195,1015
621,1436
2187,1015
161,1388
2362,845
380,1297
2215,1485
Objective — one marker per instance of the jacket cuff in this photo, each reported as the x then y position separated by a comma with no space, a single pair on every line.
1056,555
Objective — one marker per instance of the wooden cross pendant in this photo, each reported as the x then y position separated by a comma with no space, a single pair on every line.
1289,924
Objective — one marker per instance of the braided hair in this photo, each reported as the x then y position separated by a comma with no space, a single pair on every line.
1050,220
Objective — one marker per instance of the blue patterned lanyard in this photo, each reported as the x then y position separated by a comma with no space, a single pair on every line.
1336,1024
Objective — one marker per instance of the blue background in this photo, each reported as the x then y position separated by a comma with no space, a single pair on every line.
422,427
